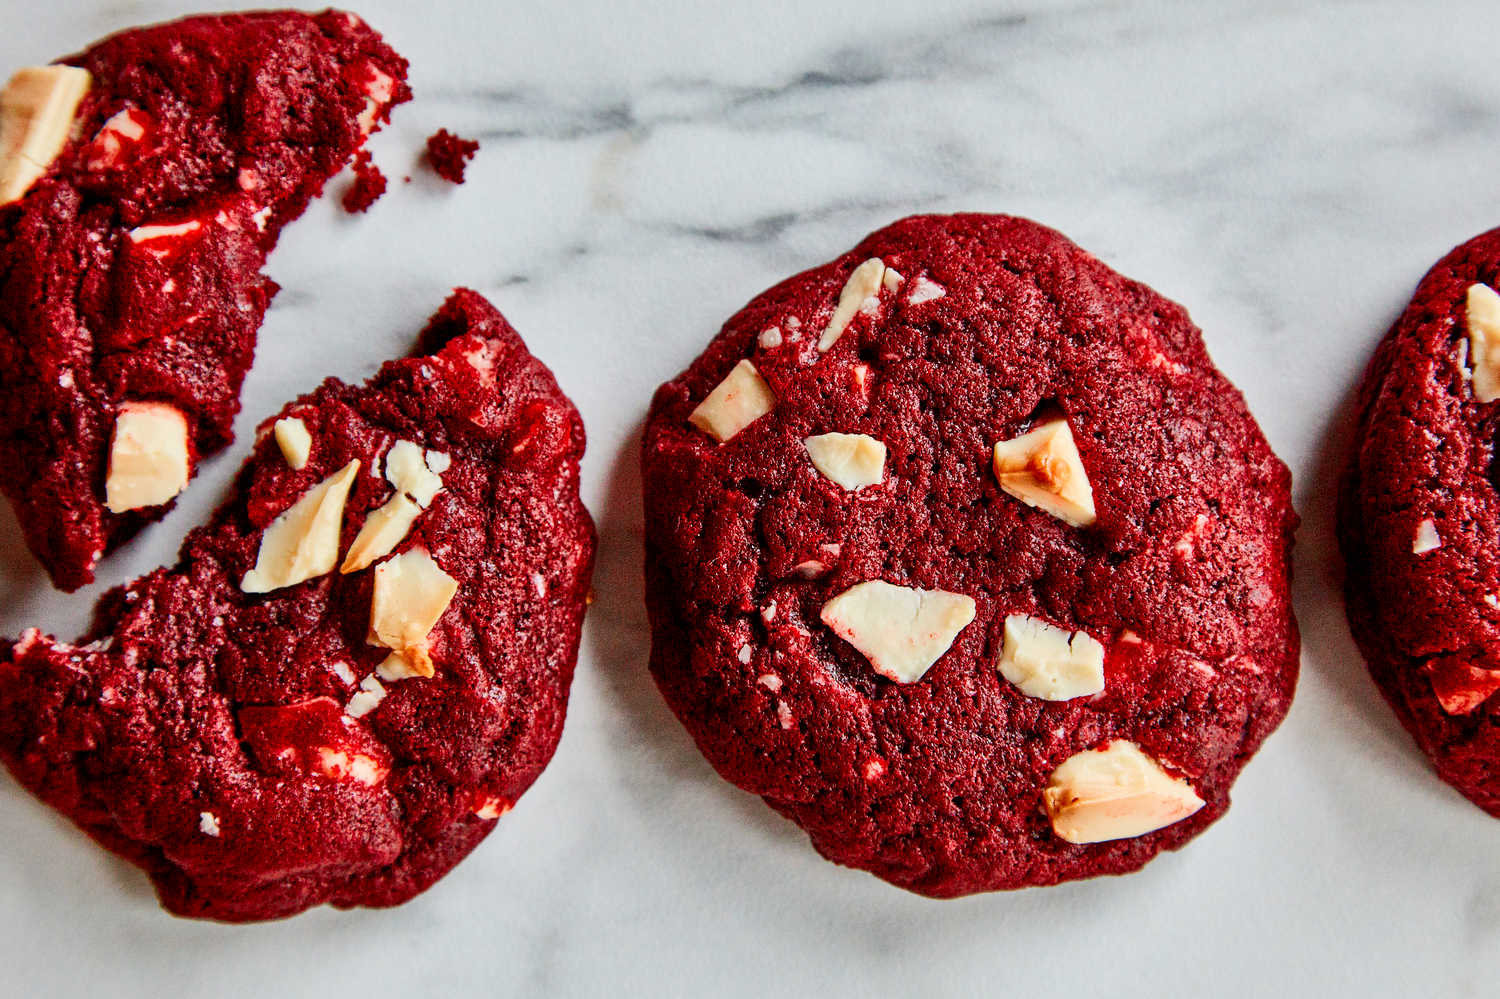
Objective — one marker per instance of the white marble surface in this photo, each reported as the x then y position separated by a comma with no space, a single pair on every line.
1286,170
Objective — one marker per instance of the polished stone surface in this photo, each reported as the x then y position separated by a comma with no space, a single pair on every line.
1285,170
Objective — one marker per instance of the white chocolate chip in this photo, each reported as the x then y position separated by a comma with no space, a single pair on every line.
341,669
849,460
1484,341
864,283
36,114
148,456
406,469
400,666
165,239
303,541
411,594
381,532
1115,793
738,401
1049,662
1043,469
439,461
768,612
901,630
294,440
208,824
784,715
337,765
371,693
492,808
891,280
770,681
924,290
1427,538
770,339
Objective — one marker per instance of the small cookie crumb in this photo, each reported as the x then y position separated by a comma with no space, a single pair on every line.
448,155
368,185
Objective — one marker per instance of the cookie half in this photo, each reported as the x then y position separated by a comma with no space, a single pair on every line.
1419,519
142,183
962,555
359,663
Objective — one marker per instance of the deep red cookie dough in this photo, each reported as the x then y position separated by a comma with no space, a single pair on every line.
450,155
204,733
1428,621
937,785
223,126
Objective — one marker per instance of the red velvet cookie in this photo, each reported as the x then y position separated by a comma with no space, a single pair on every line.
1419,519
142,184
357,665
962,554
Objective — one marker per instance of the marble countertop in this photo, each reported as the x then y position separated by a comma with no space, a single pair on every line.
1286,170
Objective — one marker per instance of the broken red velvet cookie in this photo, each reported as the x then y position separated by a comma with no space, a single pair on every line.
359,663
142,184
1419,519
963,556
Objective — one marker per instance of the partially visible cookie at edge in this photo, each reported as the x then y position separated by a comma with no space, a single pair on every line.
1419,519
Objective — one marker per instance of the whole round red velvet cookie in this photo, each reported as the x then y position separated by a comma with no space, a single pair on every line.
357,666
962,554
1419,519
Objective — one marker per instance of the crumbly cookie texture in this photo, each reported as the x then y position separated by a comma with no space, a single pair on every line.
142,184
262,732
962,554
1419,519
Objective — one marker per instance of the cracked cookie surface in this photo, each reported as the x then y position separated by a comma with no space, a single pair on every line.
130,271
350,737
840,561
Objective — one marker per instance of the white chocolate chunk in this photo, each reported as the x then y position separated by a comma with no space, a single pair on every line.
1043,469
411,593
404,666
381,532
850,460
901,630
1049,662
294,440
738,401
891,280
1427,538
370,694
303,541
36,114
208,823
378,91
148,457
1115,793
406,469
439,461
1484,341
924,289
864,283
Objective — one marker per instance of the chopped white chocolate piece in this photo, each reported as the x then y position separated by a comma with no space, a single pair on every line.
402,666
381,532
1043,469
36,114
294,440
208,824
769,339
411,594
1049,662
1484,341
303,541
148,456
1427,538
891,280
738,401
1115,793
378,91
171,231
849,460
901,630
439,461
864,283
370,694
924,289
406,469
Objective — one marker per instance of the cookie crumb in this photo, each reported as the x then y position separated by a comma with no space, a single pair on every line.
448,154
368,185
